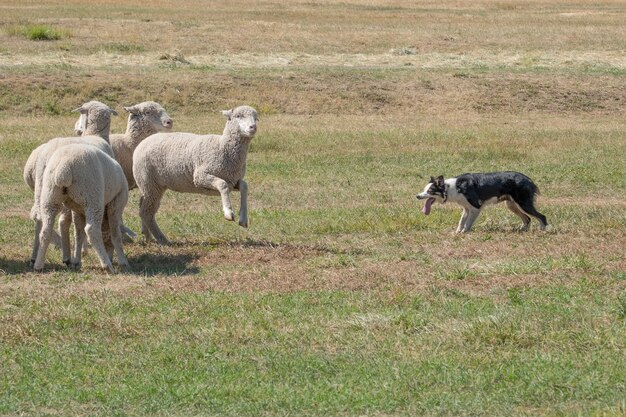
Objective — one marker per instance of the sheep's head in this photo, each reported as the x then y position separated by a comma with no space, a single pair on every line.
80,125
244,119
150,116
95,117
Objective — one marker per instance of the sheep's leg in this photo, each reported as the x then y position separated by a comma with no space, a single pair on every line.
148,206
65,221
243,207
79,237
106,236
93,229
56,239
114,213
47,226
35,251
143,214
211,182
128,232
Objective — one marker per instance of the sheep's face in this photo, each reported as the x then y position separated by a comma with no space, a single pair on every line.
244,118
80,125
152,114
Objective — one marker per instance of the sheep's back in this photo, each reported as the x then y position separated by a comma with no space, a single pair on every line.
92,172
169,159
50,147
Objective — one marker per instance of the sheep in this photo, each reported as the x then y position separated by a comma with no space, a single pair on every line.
79,128
190,163
92,184
144,119
96,119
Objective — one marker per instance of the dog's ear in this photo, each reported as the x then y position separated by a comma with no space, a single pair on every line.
440,180
432,180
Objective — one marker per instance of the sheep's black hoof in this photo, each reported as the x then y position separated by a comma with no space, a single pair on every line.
164,242
72,265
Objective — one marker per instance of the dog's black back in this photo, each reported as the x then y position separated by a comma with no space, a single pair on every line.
480,187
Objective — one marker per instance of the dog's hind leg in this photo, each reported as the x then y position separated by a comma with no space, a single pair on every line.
528,208
512,205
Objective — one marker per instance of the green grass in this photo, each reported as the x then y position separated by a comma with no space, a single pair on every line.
40,32
319,353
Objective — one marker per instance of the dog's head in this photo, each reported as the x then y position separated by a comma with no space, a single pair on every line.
435,190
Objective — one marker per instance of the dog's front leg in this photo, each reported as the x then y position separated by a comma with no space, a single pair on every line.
471,218
459,228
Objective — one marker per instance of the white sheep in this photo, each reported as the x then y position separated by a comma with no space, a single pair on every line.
190,163
92,184
144,119
96,120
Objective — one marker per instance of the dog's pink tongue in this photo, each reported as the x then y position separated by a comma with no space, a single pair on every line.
426,209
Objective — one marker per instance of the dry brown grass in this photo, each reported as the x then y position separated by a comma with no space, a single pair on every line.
320,57
329,27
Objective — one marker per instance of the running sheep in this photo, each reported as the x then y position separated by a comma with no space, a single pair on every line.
191,163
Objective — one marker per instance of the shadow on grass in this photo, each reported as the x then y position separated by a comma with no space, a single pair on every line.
147,264
14,267
163,264
269,245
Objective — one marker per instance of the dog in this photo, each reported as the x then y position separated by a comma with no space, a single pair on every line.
475,191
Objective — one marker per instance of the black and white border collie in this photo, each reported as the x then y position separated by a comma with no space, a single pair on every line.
475,191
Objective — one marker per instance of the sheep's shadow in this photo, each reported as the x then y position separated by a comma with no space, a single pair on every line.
267,244
150,264
14,267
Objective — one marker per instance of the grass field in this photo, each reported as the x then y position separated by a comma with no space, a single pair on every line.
341,298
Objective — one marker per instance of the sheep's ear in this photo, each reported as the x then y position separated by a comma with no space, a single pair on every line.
80,110
227,113
113,112
132,110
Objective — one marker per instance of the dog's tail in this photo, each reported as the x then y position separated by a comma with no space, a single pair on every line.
535,189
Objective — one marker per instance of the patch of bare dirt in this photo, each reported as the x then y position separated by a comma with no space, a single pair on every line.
473,268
